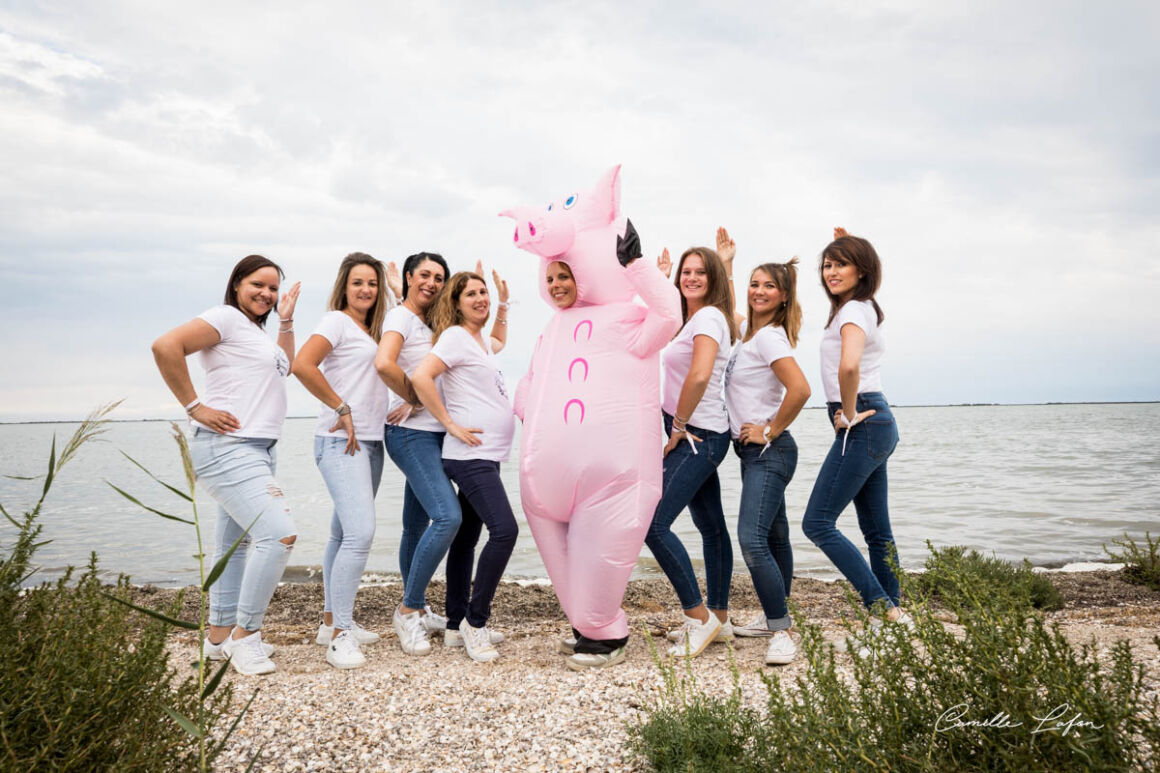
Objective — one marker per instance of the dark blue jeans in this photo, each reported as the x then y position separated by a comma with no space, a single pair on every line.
690,480
859,476
427,498
484,503
762,525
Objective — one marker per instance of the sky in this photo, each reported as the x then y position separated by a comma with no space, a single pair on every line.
1004,159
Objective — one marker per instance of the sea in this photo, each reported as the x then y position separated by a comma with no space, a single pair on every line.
1048,483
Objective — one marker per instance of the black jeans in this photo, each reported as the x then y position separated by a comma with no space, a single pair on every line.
484,503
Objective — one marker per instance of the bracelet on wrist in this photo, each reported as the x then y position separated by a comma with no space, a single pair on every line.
343,409
189,409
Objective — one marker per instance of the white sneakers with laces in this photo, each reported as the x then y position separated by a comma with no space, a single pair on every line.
361,635
582,661
454,638
696,636
725,634
477,642
247,655
782,649
432,621
343,651
758,628
412,635
217,651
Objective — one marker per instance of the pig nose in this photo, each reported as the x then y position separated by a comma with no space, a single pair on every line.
531,228
516,238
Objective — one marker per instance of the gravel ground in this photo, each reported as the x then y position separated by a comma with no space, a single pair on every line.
526,711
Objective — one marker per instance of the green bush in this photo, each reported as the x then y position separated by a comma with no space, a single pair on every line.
85,681
1007,692
1141,563
953,574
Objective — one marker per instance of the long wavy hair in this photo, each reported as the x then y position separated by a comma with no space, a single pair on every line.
243,269
717,294
859,253
338,302
445,312
789,314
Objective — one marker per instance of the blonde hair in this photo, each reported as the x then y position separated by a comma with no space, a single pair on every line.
445,311
717,293
376,313
789,314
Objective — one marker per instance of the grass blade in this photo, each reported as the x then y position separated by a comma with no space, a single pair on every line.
234,725
154,613
142,505
254,759
143,469
22,477
185,723
51,469
215,680
220,566
11,520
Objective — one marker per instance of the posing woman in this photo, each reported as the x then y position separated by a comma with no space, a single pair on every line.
415,445
336,365
237,422
855,468
698,425
764,392
475,411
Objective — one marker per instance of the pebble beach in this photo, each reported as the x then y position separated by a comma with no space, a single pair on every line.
527,711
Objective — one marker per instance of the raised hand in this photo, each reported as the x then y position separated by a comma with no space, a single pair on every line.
395,280
665,263
289,301
839,232
726,247
501,288
479,267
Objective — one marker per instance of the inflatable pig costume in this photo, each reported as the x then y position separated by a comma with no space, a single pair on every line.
590,461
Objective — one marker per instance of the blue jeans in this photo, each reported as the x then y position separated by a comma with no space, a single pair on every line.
762,525
352,482
427,498
239,473
485,503
859,476
691,480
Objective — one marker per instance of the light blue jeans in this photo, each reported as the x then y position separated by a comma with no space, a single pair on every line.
353,482
239,473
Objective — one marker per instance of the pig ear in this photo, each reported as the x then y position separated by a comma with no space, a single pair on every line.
607,193
508,213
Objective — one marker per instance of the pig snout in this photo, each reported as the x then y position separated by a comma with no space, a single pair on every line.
546,234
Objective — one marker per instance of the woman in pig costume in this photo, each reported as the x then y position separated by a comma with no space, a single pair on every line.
590,461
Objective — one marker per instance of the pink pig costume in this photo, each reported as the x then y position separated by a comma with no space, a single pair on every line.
590,457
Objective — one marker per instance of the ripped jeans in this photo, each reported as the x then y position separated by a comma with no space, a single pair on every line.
238,472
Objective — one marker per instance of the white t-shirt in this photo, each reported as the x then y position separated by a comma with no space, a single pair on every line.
349,368
416,345
862,314
677,358
475,396
245,374
753,392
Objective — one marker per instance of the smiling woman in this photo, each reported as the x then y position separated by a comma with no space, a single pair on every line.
233,448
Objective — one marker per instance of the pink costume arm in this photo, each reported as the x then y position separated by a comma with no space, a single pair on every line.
525,385
663,319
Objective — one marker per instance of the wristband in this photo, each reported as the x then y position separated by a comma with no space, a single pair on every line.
343,410
189,409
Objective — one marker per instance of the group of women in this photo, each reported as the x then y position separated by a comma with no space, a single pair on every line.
402,364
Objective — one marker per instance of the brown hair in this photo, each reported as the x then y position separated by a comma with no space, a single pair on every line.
717,293
859,253
789,314
243,269
338,302
446,312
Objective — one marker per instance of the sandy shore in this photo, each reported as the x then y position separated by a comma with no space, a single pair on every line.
526,711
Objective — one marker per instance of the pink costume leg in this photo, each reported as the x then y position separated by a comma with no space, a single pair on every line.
552,541
604,541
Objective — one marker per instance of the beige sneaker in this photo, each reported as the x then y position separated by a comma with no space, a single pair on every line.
582,661
697,636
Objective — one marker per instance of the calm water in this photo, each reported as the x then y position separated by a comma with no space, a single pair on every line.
1050,483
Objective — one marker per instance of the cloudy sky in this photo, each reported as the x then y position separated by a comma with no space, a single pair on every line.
1004,159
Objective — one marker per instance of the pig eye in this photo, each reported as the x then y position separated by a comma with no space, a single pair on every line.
549,207
568,202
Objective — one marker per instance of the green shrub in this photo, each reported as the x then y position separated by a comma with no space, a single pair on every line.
1141,564
85,681
954,574
1006,693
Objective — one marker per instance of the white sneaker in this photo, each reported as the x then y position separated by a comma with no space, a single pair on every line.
343,651
696,636
217,651
361,635
567,645
477,643
432,621
584,660
781,650
247,656
725,634
758,628
454,638
412,637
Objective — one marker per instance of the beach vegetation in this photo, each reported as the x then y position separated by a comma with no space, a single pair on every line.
85,680
953,572
1141,562
1001,690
